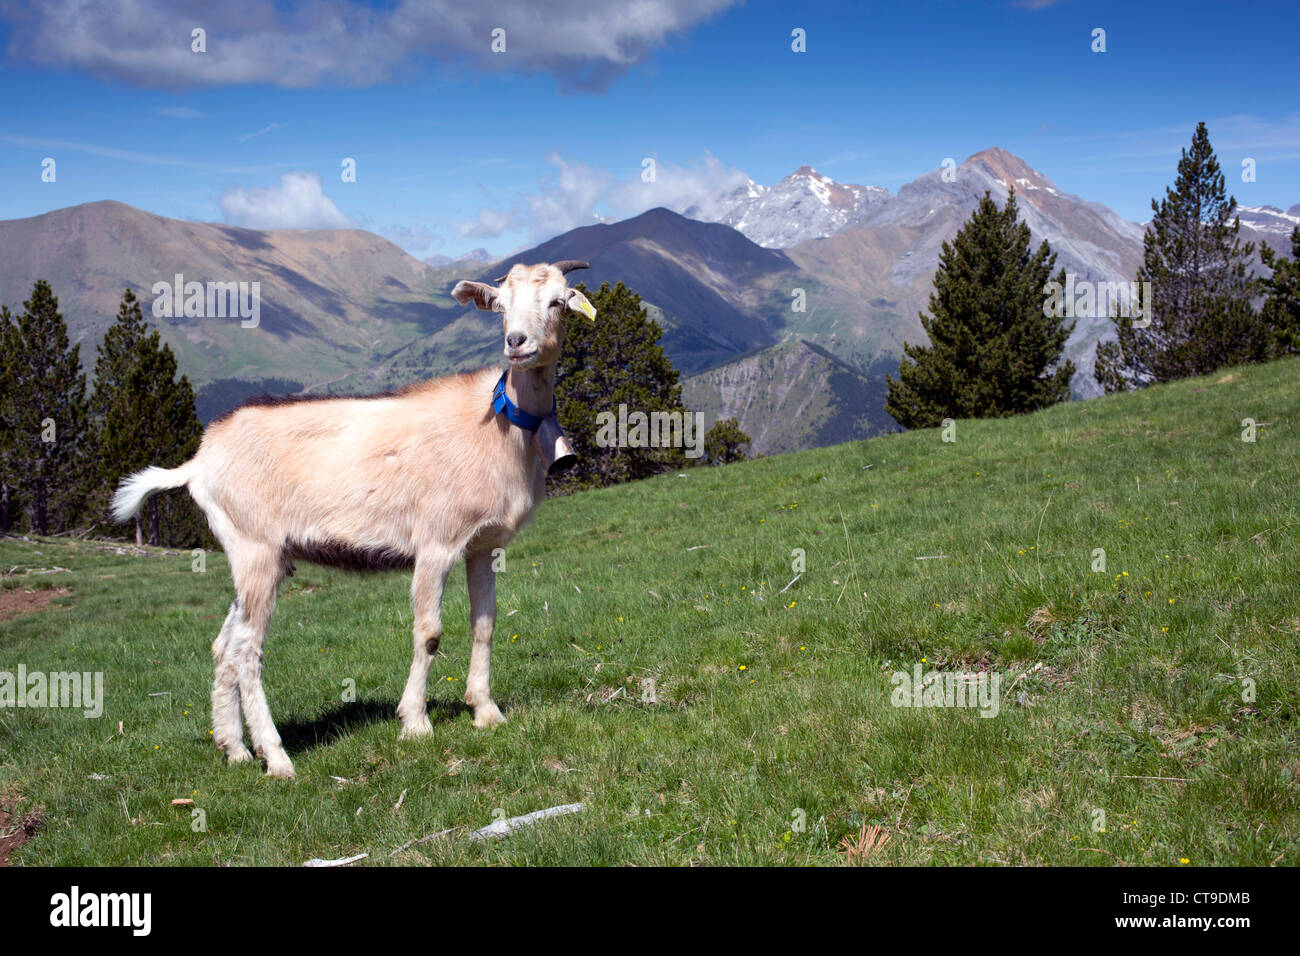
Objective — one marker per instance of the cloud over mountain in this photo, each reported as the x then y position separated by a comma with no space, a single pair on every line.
298,202
578,195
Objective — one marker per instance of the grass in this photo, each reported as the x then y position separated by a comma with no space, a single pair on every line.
1155,722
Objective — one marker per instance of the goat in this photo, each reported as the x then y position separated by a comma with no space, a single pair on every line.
417,478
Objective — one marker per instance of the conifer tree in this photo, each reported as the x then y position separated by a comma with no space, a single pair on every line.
994,351
47,415
1281,313
145,416
8,425
725,442
616,360
1200,313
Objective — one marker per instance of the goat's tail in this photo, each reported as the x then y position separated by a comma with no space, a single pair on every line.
133,490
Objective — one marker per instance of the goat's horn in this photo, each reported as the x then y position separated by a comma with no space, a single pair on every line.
568,265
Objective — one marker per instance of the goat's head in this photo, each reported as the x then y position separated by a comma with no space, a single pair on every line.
535,303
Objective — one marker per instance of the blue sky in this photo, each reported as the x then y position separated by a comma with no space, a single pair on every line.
457,146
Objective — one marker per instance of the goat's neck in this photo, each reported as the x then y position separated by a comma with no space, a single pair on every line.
532,389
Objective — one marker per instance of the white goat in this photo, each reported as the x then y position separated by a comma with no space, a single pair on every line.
417,478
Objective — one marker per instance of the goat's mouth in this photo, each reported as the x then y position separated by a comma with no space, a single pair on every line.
521,359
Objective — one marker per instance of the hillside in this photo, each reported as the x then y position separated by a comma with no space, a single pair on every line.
336,306
659,660
792,396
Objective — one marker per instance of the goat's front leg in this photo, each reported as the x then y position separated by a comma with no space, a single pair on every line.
431,570
483,618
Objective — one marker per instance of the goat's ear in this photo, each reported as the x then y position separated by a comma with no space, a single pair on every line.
484,295
578,303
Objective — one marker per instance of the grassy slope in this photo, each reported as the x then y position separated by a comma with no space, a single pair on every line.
768,703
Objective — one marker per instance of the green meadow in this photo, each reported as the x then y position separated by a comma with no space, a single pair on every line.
656,664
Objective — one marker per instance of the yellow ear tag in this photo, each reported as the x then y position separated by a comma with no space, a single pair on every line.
587,309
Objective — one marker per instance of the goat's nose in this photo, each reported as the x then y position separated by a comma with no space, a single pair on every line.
515,339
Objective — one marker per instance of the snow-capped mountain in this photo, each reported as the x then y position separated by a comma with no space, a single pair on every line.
902,237
804,205
1269,220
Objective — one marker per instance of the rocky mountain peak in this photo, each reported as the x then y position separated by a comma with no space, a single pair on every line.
805,205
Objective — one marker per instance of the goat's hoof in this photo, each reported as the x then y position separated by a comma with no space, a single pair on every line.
416,730
488,715
240,754
279,766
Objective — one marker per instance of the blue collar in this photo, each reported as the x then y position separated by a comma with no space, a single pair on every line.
501,404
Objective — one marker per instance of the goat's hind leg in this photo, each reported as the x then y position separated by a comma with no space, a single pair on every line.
227,731
427,584
257,575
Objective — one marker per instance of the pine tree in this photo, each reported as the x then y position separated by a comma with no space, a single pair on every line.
47,413
993,351
725,442
145,416
617,360
1200,311
9,342
1281,313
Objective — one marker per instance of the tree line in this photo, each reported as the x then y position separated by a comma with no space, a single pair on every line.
995,349
63,450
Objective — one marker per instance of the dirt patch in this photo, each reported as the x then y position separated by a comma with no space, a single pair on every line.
15,830
15,602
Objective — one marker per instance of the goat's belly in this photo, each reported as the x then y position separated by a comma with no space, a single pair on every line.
349,557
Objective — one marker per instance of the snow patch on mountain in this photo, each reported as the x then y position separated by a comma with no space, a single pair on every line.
1269,219
804,205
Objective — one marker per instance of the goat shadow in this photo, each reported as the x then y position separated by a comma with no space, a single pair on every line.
301,734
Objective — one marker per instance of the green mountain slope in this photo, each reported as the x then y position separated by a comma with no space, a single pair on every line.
657,652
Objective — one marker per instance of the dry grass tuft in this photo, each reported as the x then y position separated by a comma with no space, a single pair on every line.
869,841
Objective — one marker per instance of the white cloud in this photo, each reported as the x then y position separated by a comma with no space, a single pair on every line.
298,202
488,224
341,42
579,195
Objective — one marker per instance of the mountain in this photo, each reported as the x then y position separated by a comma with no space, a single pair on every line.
1269,220
716,293
793,341
792,396
479,255
888,259
337,307
804,205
